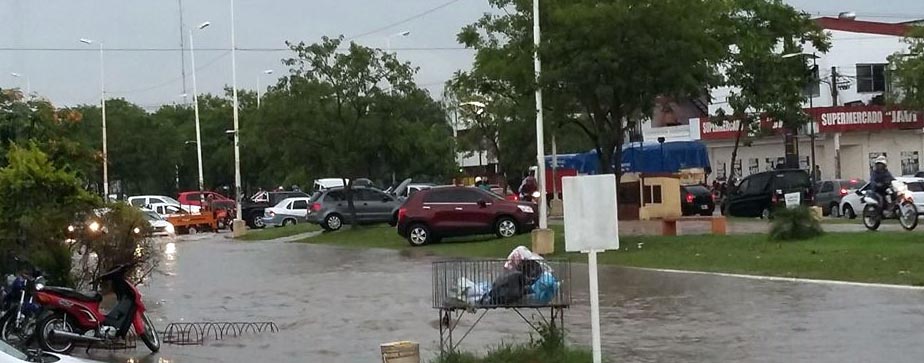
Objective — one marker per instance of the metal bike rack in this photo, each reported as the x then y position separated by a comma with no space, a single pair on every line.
196,333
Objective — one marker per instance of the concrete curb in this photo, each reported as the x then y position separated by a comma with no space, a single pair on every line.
784,279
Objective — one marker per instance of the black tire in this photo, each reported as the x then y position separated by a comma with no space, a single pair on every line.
256,222
766,214
506,227
849,213
872,217
288,222
913,223
834,211
54,345
332,222
419,234
150,337
6,327
192,230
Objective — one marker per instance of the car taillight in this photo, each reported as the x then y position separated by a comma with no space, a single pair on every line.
689,198
271,214
775,198
843,192
401,214
315,207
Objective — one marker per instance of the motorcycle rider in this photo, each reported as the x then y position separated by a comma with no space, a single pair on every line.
880,178
529,185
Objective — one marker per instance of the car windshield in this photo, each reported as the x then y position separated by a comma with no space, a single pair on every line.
854,184
495,195
697,189
315,197
9,349
152,216
792,180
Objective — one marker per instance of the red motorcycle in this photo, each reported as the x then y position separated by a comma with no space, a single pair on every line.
76,317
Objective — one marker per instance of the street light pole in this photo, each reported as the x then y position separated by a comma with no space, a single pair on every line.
192,57
102,86
238,227
260,87
540,142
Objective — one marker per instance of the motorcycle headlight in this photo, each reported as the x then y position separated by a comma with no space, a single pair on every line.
536,194
137,230
39,283
94,226
71,228
525,209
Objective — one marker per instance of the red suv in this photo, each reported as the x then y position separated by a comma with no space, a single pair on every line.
429,215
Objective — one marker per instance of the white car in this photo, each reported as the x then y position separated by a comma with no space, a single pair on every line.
286,212
159,225
143,201
165,209
852,204
9,354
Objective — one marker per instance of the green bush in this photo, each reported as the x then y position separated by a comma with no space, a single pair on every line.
548,347
791,224
124,240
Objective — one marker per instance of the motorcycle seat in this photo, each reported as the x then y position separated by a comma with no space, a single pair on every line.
74,294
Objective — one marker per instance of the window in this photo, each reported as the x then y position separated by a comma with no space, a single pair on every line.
916,187
813,89
653,194
743,186
910,163
871,78
769,163
753,166
791,180
138,202
300,205
738,167
758,183
827,187
158,200
721,173
335,196
193,197
368,195
455,195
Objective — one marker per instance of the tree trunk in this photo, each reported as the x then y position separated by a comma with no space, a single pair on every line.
731,172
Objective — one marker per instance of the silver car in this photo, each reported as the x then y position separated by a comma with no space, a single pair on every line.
288,211
330,208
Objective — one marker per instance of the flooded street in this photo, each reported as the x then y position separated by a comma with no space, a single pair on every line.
338,305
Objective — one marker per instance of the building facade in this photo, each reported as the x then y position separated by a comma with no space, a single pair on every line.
851,125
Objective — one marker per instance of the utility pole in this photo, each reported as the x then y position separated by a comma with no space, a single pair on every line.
182,51
837,135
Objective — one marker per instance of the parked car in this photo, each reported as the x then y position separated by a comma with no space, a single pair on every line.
759,194
330,210
411,189
254,210
852,203
432,214
160,227
828,194
221,206
288,211
696,199
141,201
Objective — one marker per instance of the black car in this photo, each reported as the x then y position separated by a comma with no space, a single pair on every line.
696,199
759,194
252,210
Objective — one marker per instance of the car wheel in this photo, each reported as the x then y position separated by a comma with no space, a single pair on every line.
288,222
834,211
505,227
257,222
333,222
419,235
765,214
192,230
849,213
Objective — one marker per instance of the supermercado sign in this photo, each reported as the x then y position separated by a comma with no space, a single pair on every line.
830,119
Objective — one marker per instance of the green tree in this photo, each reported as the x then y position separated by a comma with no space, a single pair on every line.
908,71
38,200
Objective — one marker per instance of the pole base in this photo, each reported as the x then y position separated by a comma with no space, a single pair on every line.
543,241
556,208
239,228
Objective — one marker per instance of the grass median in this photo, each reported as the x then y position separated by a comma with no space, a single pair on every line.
878,257
269,233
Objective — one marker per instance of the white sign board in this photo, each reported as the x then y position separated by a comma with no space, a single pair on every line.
590,213
793,199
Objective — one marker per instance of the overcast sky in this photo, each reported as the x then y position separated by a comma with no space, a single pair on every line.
70,75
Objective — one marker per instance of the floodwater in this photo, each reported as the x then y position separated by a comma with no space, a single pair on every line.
338,305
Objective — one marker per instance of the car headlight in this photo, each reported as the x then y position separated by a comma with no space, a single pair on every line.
71,229
170,229
525,209
137,230
94,226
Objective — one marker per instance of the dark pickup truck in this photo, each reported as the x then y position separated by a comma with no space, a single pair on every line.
252,209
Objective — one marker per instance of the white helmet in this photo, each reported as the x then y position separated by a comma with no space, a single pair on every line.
477,179
881,160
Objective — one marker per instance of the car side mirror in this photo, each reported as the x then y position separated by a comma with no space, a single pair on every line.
386,199
482,203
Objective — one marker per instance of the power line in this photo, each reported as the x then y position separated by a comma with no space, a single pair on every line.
170,82
36,49
405,20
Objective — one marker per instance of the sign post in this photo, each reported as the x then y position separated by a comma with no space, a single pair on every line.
591,226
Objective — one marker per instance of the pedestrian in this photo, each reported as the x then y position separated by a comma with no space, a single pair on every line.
817,173
485,185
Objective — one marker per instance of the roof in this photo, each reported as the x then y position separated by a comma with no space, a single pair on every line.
865,27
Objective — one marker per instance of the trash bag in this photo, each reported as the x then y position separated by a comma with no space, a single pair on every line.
507,289
544,289
518,254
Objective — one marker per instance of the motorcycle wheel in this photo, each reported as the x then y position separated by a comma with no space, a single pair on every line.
872,218
150,337
908,215
21,337
43,330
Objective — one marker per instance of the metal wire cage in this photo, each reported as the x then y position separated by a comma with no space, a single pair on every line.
492,284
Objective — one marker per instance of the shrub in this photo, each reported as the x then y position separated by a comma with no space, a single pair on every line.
548,347
790,224
123,240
